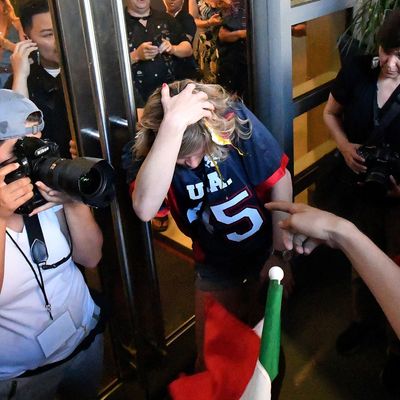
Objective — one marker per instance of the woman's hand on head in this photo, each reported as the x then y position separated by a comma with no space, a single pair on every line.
14,194
186,108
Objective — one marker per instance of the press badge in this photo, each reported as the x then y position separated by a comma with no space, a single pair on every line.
56,334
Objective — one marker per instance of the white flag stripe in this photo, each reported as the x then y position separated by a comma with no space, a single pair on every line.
259,387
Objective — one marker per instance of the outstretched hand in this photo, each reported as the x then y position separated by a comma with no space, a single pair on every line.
306,227
187,107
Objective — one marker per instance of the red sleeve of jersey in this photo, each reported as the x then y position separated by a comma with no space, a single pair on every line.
263,189
131,187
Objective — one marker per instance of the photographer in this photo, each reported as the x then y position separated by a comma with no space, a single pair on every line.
362,111
48,320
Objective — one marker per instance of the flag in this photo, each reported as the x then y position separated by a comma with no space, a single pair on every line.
267,367
240,366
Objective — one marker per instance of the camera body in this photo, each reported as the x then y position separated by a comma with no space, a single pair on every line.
381,162
90,180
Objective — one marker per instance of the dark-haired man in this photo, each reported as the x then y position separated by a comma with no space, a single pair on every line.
41,81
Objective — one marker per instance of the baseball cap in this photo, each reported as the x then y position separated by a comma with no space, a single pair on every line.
14,111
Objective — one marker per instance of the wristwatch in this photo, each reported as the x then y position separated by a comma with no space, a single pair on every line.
285,255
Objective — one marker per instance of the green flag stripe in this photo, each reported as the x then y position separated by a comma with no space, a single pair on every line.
271,334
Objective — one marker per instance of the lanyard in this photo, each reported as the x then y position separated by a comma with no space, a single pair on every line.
39,279
39,254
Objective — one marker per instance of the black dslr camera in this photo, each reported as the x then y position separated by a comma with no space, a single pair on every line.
90,180
381,162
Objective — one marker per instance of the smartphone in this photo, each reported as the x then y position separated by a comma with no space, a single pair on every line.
35,57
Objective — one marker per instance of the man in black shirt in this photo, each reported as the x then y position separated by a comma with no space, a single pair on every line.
155,42
41,81
187,67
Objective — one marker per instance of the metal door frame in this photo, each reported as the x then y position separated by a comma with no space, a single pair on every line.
271,45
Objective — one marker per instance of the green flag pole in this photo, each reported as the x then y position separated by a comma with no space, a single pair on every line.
271,334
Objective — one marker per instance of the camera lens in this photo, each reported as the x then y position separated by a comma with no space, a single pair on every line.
89,183
90,180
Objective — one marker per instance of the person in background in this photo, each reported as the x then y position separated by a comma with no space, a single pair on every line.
51,341
11,32
40,81
187,67
232,49
207,15
361,117
216,164
155,42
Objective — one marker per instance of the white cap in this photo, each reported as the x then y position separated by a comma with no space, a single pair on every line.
276,274
14,111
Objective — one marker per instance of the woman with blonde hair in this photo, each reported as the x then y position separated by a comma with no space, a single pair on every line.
11,32
217,165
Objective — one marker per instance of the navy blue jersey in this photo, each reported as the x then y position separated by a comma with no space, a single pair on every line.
221,209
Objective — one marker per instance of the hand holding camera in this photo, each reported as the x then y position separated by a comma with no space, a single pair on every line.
58,180
382,169
146,51
14,194
353,159
166,47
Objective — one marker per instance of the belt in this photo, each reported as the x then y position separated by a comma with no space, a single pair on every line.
5,69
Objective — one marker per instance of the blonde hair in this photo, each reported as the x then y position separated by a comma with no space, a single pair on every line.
196,136
9,10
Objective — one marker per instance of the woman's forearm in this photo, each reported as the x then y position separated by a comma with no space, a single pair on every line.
378,271
183,49
281,191
155,175
86,236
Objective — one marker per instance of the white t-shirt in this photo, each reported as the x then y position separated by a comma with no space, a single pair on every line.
22,306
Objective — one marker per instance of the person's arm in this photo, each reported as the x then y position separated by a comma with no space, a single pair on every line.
227,36
155,175
214,20
193,9
12,196
181,50
6,44
20,29
378,271
21,66
333,119
144,52
76,221
86,236
281,191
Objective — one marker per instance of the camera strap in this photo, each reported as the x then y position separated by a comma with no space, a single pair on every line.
37,244
39,254
380,124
